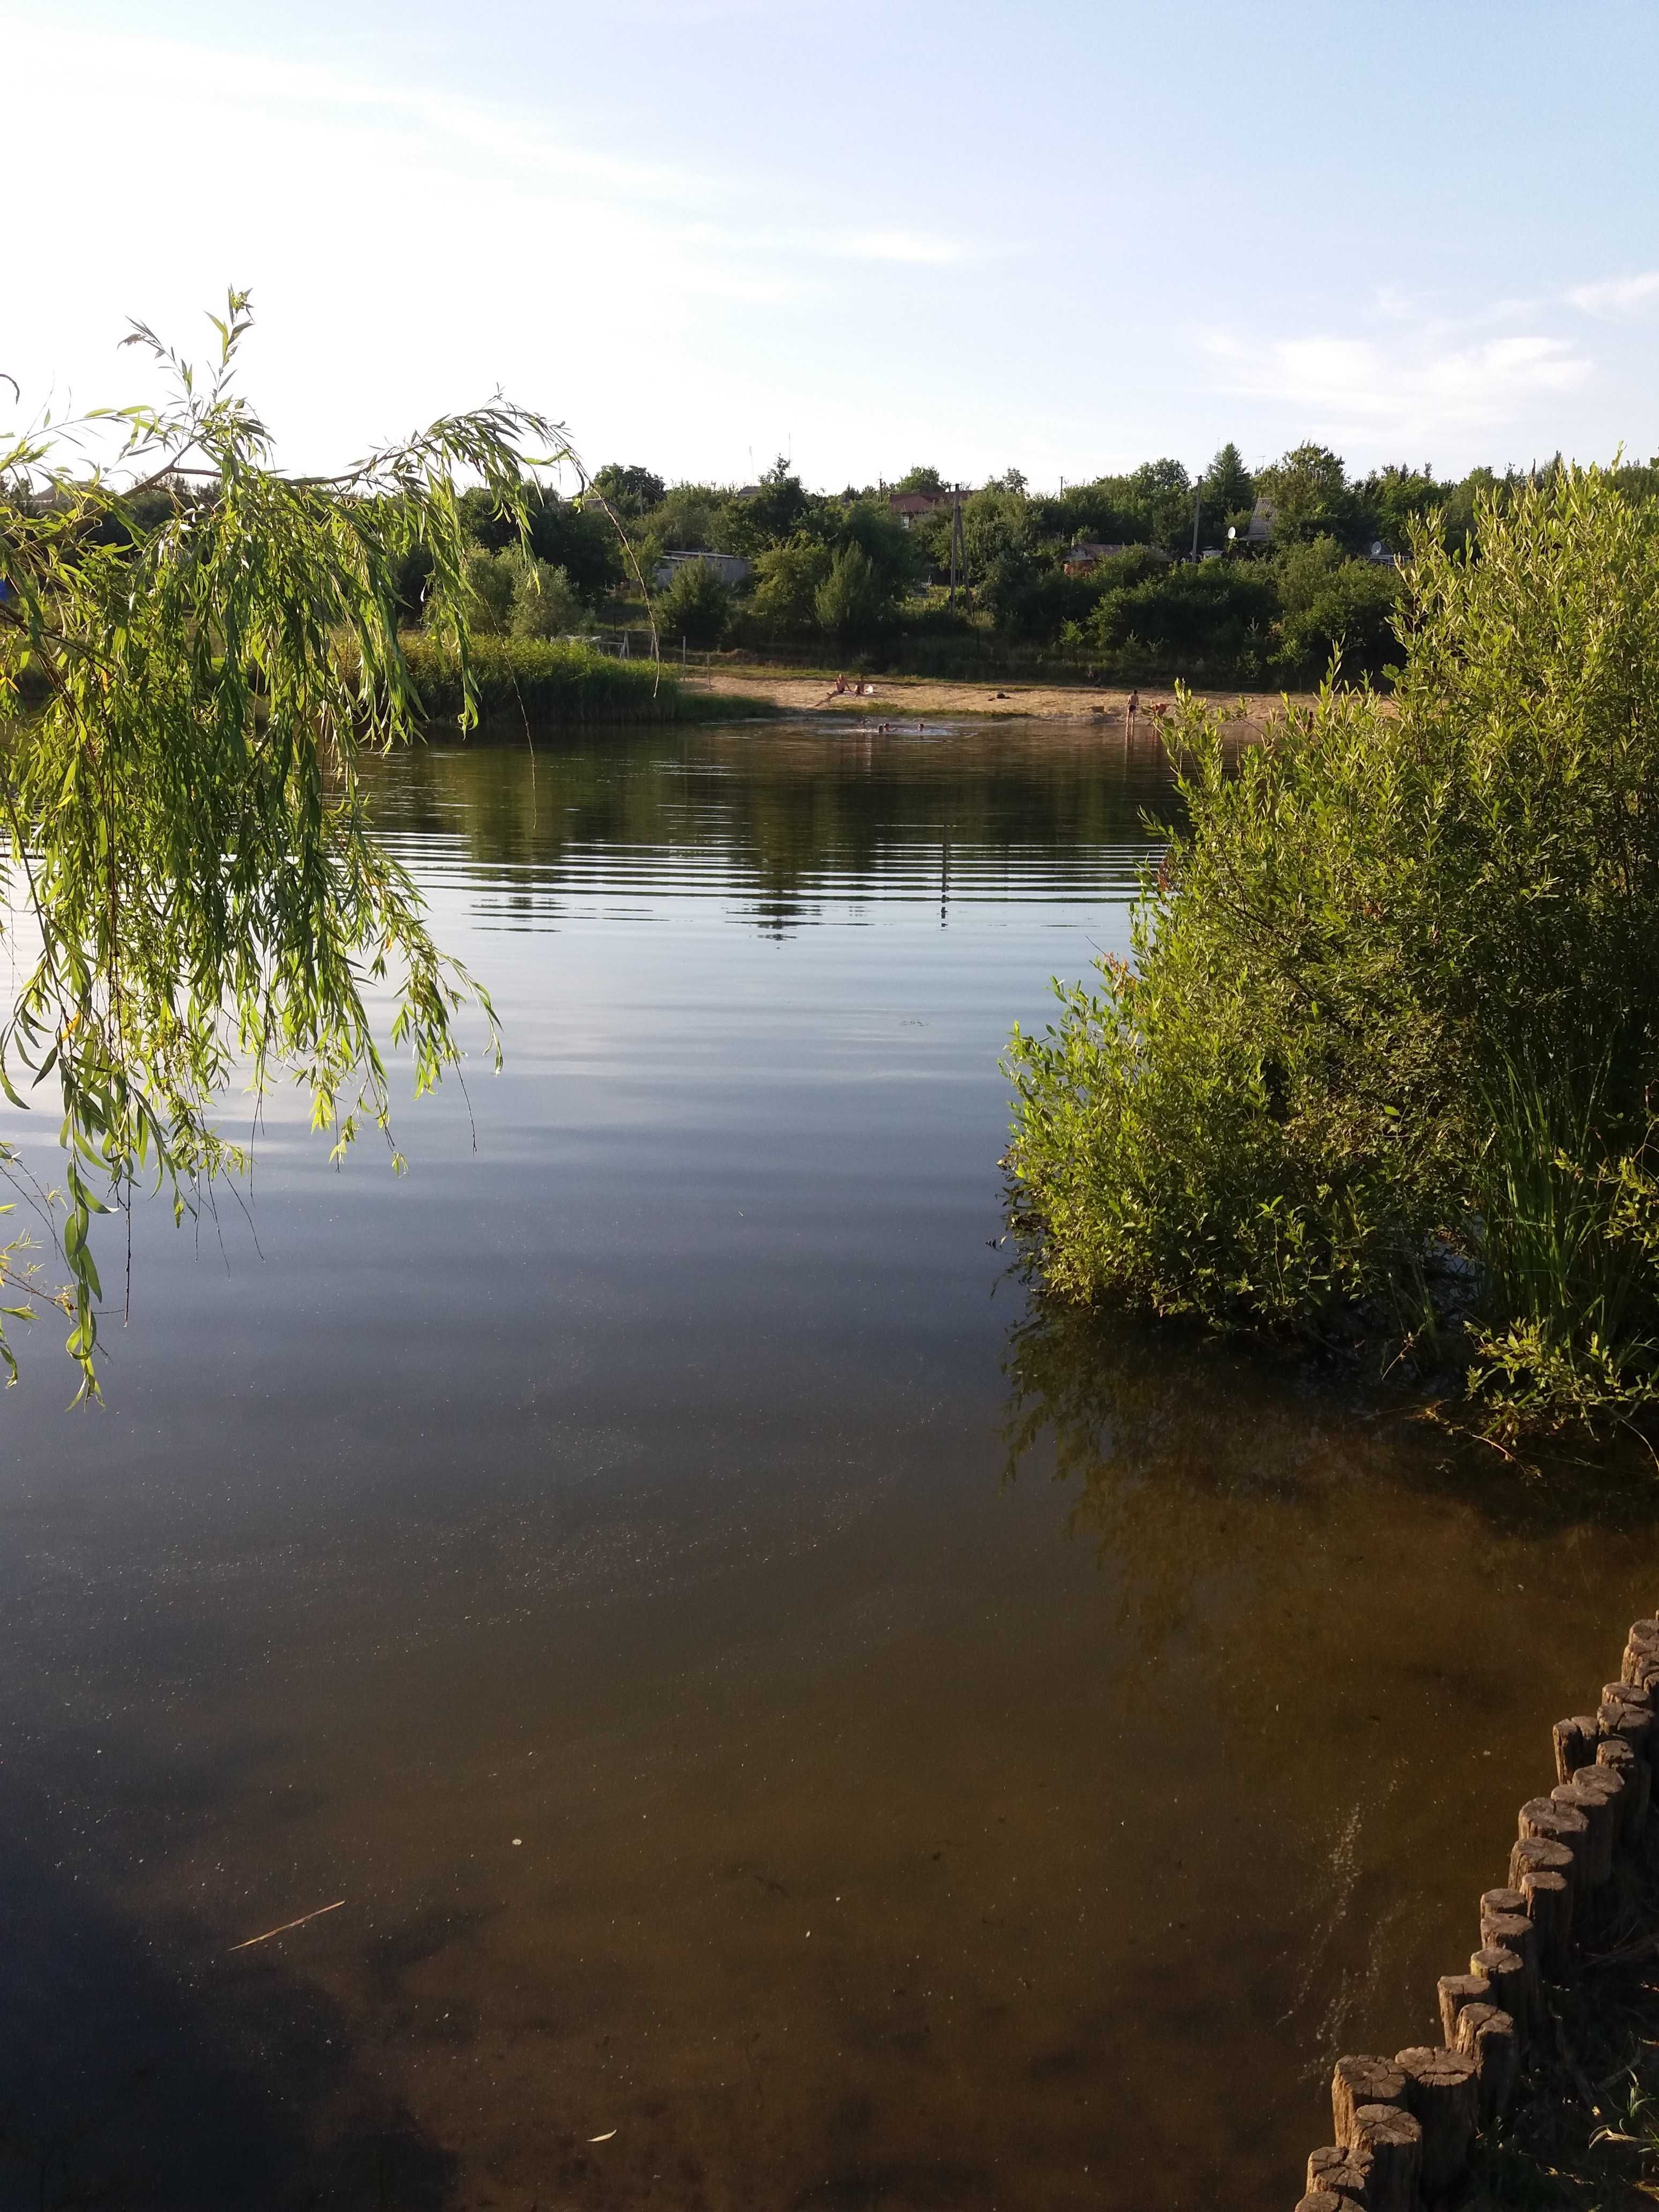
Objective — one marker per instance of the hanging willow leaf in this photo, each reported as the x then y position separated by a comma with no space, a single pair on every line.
184,704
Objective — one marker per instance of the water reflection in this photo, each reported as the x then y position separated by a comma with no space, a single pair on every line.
792,819
593,1559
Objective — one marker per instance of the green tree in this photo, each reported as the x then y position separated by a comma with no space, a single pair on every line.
491,580
850,602
697,605
788,578
778,509
1392,498
995,522
184,827
632,491
1228,486
1330,603
920,480
545,602
1309,491
876,530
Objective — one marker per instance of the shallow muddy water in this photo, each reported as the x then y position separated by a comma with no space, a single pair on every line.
778,1725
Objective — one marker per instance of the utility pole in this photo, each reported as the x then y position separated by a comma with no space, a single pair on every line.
1198,504
958,562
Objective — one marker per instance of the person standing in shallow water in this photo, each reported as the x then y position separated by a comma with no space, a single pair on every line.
1131,710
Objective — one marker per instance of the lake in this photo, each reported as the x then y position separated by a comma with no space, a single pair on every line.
777,1723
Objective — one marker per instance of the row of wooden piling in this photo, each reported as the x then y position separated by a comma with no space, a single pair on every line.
1405,2126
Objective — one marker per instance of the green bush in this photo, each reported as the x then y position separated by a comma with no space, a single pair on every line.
491,580
850,602
513,593
1380,1069
545,602
1330,603
697,605
559,681
787,580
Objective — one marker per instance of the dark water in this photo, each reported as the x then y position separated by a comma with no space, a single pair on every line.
762,1699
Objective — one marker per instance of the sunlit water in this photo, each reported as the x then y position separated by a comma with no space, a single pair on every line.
785,1729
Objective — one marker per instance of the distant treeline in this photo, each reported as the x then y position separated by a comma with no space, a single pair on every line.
1301,563
1309,567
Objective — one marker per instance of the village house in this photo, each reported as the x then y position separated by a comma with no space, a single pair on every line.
909,504
1088,553
731,568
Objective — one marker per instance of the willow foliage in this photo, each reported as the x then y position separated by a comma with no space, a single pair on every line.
191,886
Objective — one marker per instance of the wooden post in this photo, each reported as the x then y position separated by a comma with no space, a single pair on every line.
1320,2200
1362,2081
1344,2173
1457,1990
1507,1973
1641,1651
1441,2096
1595,1791
1515,1932
1535,1855
1575,1745
1394,2141
1634,1728
1623,1716
1549,1908
1487,2036
1628,1693
1559,1824
1615,1752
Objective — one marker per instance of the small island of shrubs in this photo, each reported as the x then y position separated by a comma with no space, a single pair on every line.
1380,1074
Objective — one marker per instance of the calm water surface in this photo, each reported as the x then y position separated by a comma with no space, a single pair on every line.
765,1702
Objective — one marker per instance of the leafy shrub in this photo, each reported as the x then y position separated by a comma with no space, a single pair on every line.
786,583
545,602
697,605
1381,1068
851,601
1330,603
558,681
512,593
1214,609
491,580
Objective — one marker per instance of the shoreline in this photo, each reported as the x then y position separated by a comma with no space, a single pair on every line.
900,697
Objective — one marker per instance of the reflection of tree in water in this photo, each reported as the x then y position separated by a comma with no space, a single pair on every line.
1197,1464
1365,1626
787,814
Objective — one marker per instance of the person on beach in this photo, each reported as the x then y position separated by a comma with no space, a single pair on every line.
1134,707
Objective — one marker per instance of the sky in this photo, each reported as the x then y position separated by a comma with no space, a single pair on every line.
1062,235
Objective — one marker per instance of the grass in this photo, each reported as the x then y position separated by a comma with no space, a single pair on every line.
559,681
1583,2133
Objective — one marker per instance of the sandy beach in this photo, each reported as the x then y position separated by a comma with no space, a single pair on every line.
919,697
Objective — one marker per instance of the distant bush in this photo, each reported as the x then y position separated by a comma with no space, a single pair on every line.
1217,614
545,602
697,605
514,593
851,601
491,580
1330,604
559,682
1384,1066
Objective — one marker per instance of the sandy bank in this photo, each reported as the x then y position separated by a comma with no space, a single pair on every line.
900,697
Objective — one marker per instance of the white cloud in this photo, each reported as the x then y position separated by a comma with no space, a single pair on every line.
411,248
1618,296
912,247
1422,384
